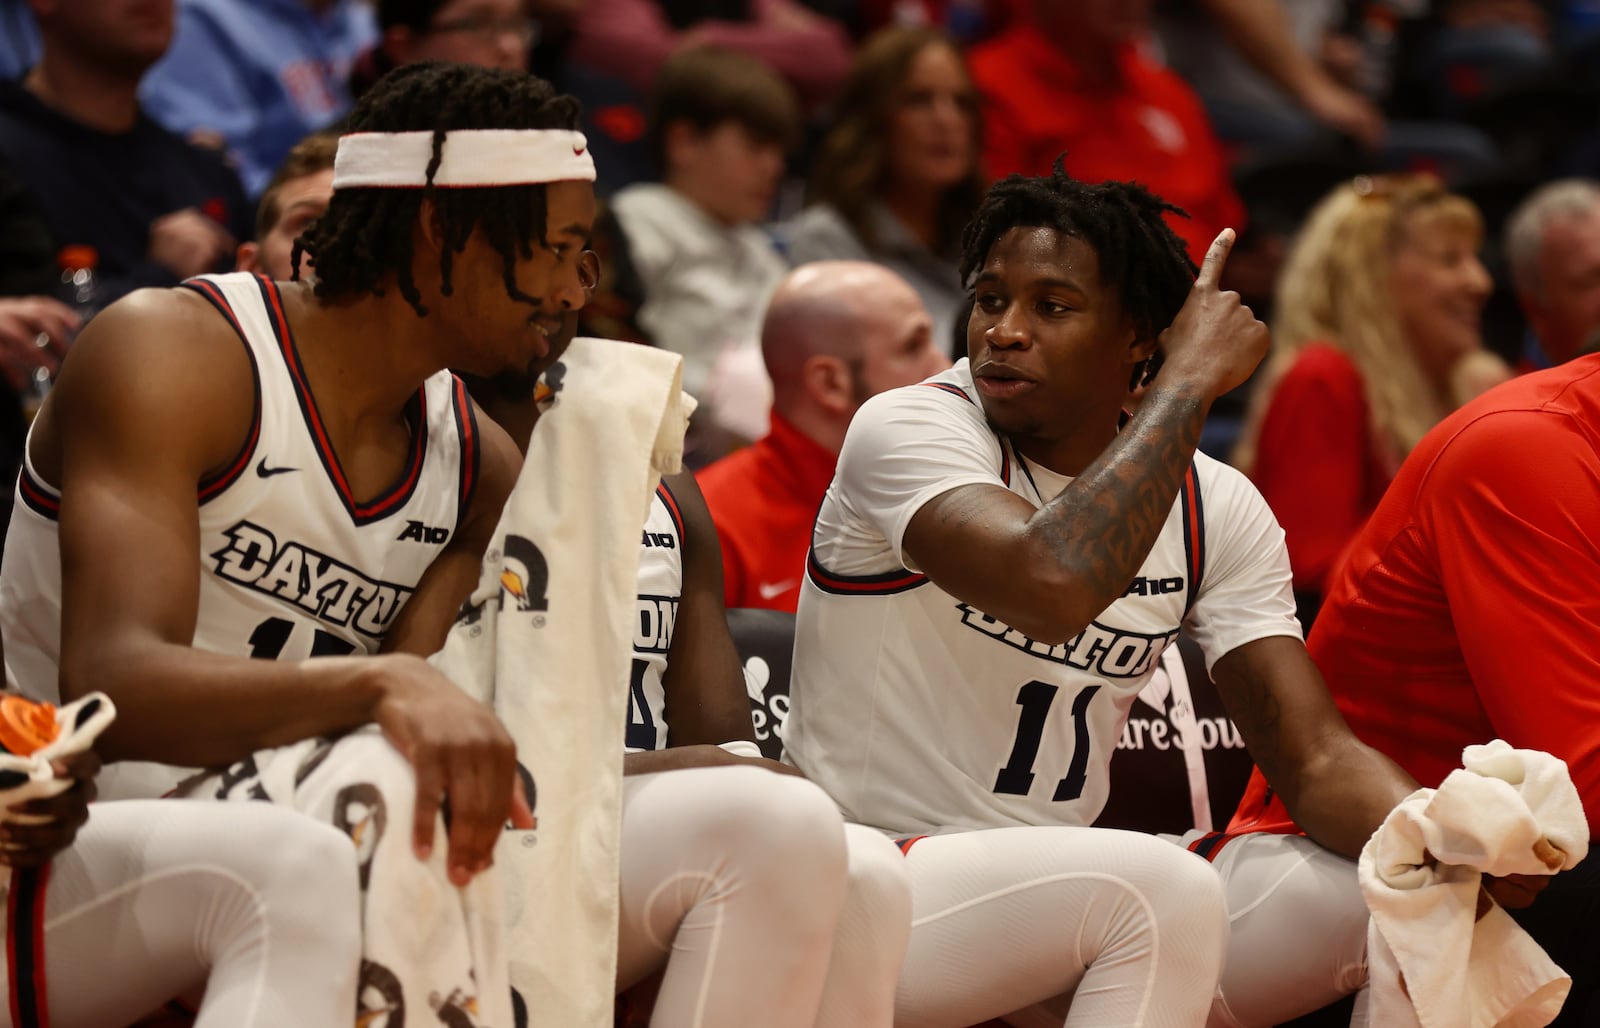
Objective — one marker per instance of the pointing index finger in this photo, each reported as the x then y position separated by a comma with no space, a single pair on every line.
1216,257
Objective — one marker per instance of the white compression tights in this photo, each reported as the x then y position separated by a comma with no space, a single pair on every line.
1113,928
157,897
1297,937
742,883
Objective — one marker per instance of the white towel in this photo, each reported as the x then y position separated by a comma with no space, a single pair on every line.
545,638
1483,819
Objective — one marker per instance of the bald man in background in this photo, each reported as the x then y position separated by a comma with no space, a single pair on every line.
835,334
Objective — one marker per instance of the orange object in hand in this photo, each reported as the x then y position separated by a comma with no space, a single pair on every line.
26,726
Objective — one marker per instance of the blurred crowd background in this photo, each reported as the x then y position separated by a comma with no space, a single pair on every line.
1411,180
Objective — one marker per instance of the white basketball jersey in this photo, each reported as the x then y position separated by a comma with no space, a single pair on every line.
660,589
919,713
291,564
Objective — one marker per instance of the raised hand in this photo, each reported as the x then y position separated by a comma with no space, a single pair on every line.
1215,341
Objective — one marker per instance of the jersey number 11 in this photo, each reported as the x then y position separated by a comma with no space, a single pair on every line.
1035,698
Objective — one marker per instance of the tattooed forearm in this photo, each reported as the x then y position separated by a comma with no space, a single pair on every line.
1101,527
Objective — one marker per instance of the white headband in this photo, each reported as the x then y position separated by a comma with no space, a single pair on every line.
469,157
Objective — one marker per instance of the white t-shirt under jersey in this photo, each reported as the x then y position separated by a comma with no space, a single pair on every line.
921,714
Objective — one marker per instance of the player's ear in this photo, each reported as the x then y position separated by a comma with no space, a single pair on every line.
827,382
248,258
429,228
1139,350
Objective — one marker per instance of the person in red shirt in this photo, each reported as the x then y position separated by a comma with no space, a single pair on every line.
836,333
1378,315
1071,78
1467,610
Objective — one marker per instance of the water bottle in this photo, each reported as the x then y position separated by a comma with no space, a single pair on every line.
78,291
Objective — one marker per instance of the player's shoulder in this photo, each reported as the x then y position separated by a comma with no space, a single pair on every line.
163,367
948,395
176,334
941,411
1225,492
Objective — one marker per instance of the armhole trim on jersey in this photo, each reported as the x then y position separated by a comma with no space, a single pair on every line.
385,503
1194,534
212,485
471,448
38,497
885,584
25,946
665,492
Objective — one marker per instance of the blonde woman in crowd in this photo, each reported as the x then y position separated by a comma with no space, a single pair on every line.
897,176
1377,337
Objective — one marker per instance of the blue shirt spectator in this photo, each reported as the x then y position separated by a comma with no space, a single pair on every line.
258,74
19,39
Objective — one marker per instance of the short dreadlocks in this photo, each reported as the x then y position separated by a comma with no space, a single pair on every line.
365,235
1140,256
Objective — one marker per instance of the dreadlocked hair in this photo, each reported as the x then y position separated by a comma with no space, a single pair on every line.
1140,256
365,235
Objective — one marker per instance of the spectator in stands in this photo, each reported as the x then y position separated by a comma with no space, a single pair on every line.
259,75
897,176
1466,610
721,125
1072,78
1379,304
1553,244
632,39
1256,65
102,173
19,39
487,33
836,334
967,21
297,195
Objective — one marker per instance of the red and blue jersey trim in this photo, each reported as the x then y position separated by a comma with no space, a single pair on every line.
1194,534
467,432
212,485
29,1000
908,842
1209,846
396,497
38,497
671,502
948,387
884,584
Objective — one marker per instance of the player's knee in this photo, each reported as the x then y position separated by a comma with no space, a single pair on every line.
300,872
879,885
776,820
1180,888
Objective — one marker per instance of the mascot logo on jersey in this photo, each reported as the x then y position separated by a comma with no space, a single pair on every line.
548,387
380,1003
530,792
360,813
457,1010
524,575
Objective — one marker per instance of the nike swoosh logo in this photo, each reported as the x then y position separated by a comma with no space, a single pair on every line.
577,151
266,472
772,590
